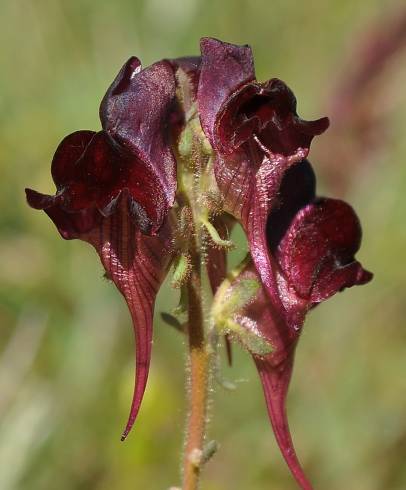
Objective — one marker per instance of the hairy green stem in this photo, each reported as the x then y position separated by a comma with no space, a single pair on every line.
192,184
199,365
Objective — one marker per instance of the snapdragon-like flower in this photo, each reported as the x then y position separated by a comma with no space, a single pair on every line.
114,190
189,147
256,135
312,242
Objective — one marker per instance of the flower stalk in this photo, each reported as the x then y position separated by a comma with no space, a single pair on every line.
199,368
193,183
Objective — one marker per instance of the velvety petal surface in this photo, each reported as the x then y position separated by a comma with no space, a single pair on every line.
254,129
131,154
310,258
317,251
95,178
136,263
224,69
67,154
264,199
267,111
135,113
275,369
69,224
115,187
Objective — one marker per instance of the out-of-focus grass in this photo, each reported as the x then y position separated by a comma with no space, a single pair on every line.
66,354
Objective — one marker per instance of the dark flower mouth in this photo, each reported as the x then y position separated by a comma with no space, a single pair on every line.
265,112
297,189
272,100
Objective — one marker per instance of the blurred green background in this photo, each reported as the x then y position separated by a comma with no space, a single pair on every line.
66,346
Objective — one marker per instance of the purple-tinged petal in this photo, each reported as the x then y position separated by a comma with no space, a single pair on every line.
275,369
275,382
115,185
135,112
91,170
123,79
39,201
67,154
281,129
268,182
69,224
250,126
235,177
297,189
225,68
267,111
135,262
332,279
317,251
260,150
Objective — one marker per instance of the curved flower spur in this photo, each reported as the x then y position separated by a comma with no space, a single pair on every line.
188,148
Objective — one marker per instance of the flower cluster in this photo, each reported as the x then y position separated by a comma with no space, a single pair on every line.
125,190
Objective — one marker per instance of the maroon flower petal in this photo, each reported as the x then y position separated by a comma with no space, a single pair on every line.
333,278
264,199
257,136
91,170
133,153
267,111
135,262
275,382
235,177
224,69
39,201
67,154
310,258
281,194
115,185
69,224
317,251
257,150
135,112
234,107
275,369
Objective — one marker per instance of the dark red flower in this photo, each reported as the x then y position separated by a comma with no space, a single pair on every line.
302,248
256,135
246,122
312,243
114,190
116,187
